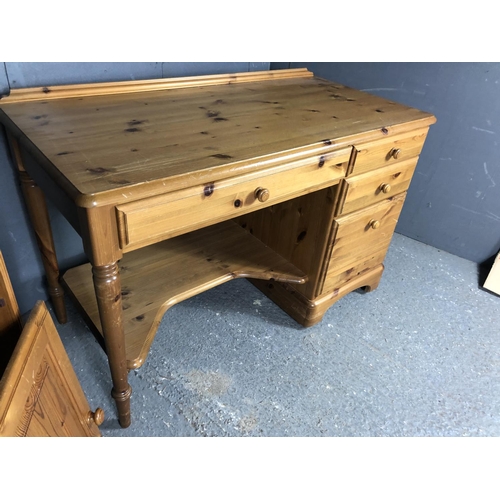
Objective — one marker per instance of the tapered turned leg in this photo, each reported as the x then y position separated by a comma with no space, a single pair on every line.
37,209
39,215
109,300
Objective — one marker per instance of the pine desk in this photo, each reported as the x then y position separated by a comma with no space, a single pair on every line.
178,185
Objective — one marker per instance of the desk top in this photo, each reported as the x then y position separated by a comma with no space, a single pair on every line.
99,141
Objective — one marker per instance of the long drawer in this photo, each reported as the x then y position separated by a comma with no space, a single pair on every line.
360,241
383,152
147,221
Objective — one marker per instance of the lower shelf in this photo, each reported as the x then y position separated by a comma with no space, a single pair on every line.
155,278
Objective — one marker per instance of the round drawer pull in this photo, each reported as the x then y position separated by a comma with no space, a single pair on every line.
96,416
395,153
385,188
262,194
374,224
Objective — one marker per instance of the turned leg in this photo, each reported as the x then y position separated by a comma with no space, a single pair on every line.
40,221
39,215
109,300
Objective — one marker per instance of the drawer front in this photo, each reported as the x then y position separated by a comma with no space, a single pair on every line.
383,152
361,240
147,221
366,189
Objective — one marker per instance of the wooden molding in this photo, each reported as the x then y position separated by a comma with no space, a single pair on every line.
106,88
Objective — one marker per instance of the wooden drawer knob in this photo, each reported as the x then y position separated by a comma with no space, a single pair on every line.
97,416
262,194
374,224
395,153
385,188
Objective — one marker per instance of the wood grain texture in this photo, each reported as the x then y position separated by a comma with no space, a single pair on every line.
159,276
309,312
39,392
315,174
154,219
99,233
107,289
376,154
10,317
103,147
372,187
125,87
40,222
355,240
298,230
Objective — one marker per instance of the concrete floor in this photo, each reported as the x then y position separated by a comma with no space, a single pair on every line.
419,356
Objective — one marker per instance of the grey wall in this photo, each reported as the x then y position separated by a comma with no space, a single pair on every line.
454,199
4,84
16,239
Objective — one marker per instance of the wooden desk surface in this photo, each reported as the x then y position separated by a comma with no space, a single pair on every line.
103,140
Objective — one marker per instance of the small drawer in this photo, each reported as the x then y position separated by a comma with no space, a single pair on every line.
366,189
154,219
360,240
385,151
